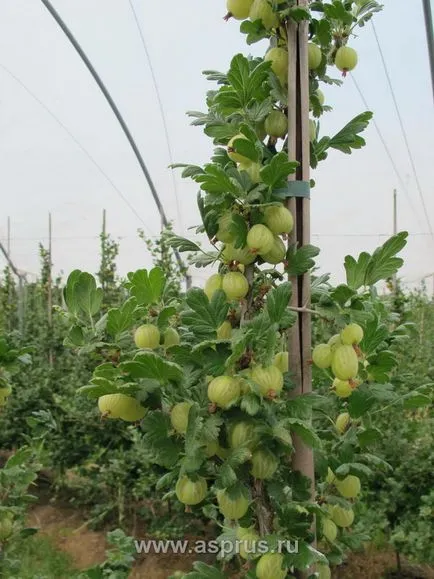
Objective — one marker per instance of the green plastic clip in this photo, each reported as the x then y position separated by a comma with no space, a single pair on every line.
298,189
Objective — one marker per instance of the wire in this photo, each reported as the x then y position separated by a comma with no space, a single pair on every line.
69,35
404,132
389,154
76,141
160,104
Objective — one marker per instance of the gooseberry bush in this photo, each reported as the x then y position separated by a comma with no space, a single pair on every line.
206,376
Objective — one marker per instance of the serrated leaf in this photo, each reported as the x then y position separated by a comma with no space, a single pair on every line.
250,404
355,468
414,400
342,294
121,319
205,317
19,458
226,476
383,262
305,432
75,336
369,436
69,291
89,297
300,260
356,270
278,300
153,366
156,426
147,287
164,316
181,243
275,174
348,138
238,228
203,571
368,270
215,180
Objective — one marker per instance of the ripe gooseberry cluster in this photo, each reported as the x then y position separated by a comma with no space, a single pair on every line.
341,354
128,408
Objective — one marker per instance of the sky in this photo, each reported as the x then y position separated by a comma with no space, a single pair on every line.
43,169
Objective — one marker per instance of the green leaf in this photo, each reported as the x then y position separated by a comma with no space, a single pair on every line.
246,148
182,244
121,319
369,436
275,174
75,336
20,457
250,404
337,11
165,450
151,365
374,335
305,432
356,270
383,263
355,468
238,228
28,532
278,300
147,287
342,294
323,32
301,260
215,180
189,170
238,76
254,30
381,365
203,571
360,402
205,317
348,138
414,400
69,291
368,270
89,297
164,317
226,476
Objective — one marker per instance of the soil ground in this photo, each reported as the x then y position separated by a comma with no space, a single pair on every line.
67,528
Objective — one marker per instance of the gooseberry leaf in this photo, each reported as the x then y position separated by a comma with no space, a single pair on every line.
203,571
151,365
275,174
87,297
121,319
204,317
300,260
147,287
277,301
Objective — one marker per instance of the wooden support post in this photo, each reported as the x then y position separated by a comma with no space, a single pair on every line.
299,149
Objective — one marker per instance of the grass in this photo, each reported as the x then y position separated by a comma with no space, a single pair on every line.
36,558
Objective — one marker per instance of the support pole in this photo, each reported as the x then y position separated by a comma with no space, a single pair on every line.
429,36
300,341
50,293
70,36
9,236
395,231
